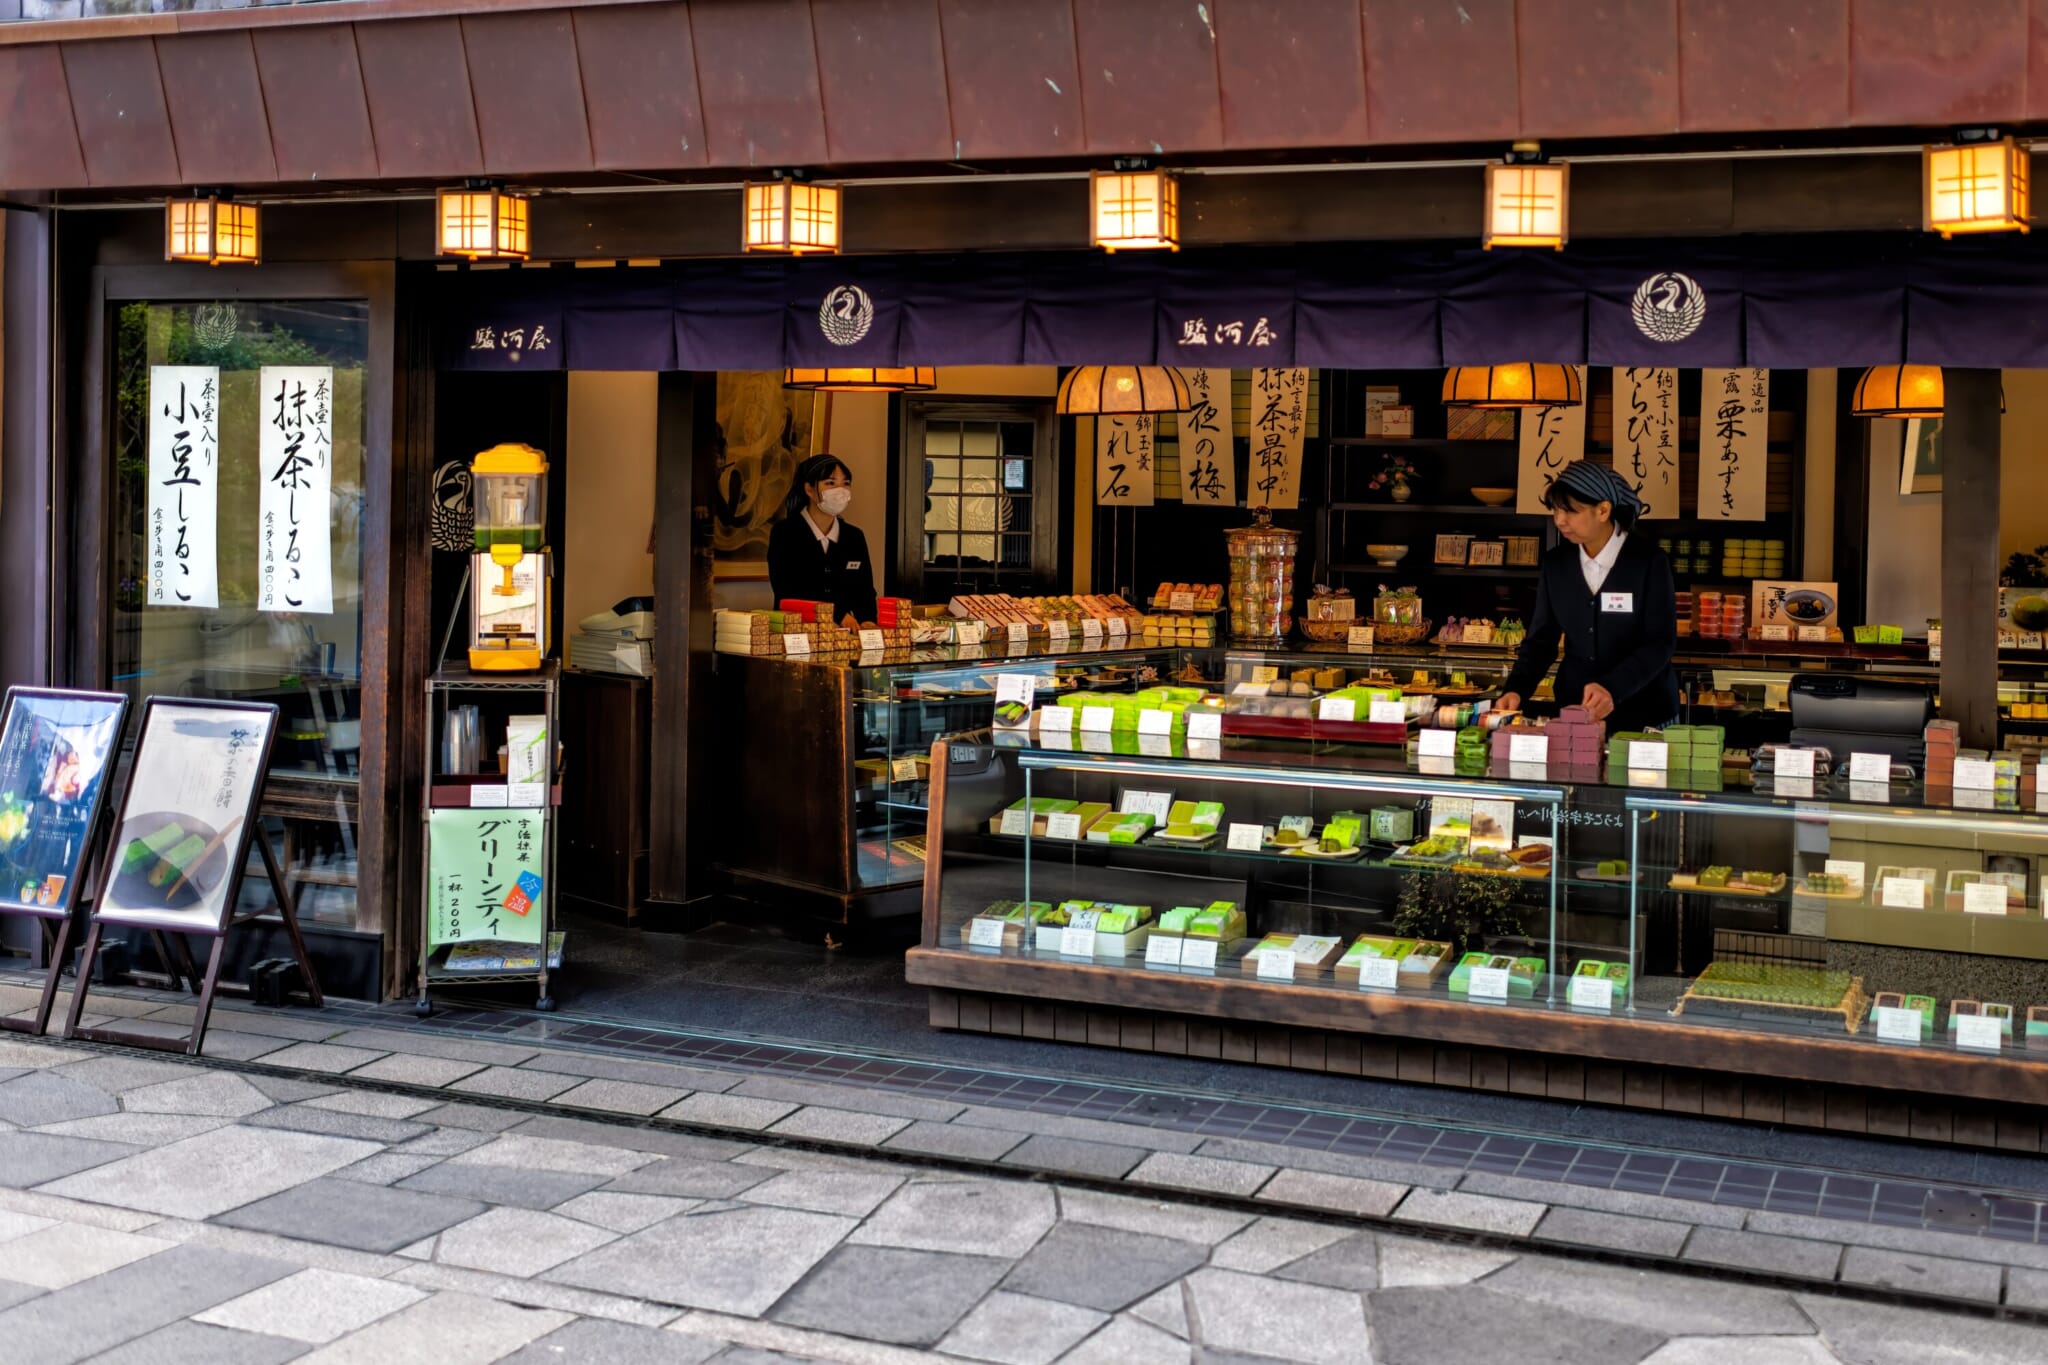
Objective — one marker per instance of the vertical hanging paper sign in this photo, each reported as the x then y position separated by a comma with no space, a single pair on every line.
1123,460
1646,436
1208,464
184,485
1735,410
1551,438
295,444
1279,421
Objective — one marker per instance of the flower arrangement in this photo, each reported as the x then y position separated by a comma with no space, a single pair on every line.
1393,477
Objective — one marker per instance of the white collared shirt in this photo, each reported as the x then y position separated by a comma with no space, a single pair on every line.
1597,567
826,539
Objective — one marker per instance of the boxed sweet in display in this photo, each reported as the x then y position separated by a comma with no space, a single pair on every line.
1312,952
1922,1005
1366,948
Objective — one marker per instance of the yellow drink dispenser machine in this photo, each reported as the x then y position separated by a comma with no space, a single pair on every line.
508,577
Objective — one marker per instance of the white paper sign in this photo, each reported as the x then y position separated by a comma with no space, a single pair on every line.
1208,465
1774,632
1551,438
1793,762
1065,825
1276,964
1279,414
903,770
1118,626
1813,635
1651,755
796,644
1163,950
871,640
1180,601
1077,941
1592,993
969,632
1984,898
1205,723
1979,1031
1199,952
526,794
1895,1025
1870,768
1091,629
1734,437
1379,974
1437,744
1057,630
1846,867
1646,436
1123,460
1903,893
295,453
1016,822
1245,838
1336,708
1528,748
1359,637
1098,718
491,794
985,933
1019,633
1055,718
1387,713
184,485
1488,983
1152,721
1154,804
1975,774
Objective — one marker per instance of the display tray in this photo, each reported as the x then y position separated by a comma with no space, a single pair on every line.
1688,881
1593,874
1766,992
1329,731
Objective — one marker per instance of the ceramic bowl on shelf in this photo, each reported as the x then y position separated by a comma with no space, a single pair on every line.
1494,497
1386,556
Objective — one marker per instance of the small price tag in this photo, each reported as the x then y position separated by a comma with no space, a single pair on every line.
1984,898
1337,708
1813,635
1774,632
1592,993
1650,755
1528,748
1091,629
1387,713
526,794
1065,825
1205,723
903,770
1975,774
1152,721
1077,941
1488,983
1059,718
1098,718
495,794
1163,950
1437,744
1276,964
1199,952
796,644
1180,601
969,633
1359,637
2030,639
1245,838
1790,762
1979,1031
1057,630
1019,632
872,639
1903,893
1119,626
1265,673
1379,974
1870,768
985,933
1895,1025
1848,868
1017,822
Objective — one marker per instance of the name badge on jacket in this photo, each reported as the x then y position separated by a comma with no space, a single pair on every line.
855,564
1618,601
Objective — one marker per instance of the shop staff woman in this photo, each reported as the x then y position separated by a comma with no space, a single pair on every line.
815,556
1607,595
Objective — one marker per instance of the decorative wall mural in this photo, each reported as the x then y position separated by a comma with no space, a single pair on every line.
766,432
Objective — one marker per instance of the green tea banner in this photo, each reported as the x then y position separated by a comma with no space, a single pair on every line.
485,871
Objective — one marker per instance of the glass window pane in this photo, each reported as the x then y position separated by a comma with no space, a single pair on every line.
942,439
1018,439
979,439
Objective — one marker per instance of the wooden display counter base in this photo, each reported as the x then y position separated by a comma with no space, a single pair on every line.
1579,1066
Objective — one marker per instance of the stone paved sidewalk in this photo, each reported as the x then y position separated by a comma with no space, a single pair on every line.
159,1210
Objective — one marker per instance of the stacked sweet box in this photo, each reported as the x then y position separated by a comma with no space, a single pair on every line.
1940,737
1576,739
1695,748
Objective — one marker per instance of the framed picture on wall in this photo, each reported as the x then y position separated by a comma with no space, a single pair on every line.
1488,553
1452,549
764,432
1920,462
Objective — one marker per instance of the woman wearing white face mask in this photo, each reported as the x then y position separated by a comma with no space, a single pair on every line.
814,555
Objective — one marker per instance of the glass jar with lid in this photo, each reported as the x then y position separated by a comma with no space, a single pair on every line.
1261,578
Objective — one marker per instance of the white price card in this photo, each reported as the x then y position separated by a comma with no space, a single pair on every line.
1975,774
1903,893
1813,635
1649,754
1265,673
1895,1025
872,639
1180,601
526,794
1336,708
1019,632
1055,718
1016,822
1437,744
796,644
1774,632
1099,718
1870,768
1790,762
1488,983
1387,713
985,933
1847,868
2030,639
903,770
1276,964
1065,825
1163,950
1245,838
1155,804
969,633
494,794
1091,628
1359,637
1379,974
1592,993
1979,1031
1205,722
1199,952
1153,721
1984,898
1528,748
1077,941
1119,626
1057,630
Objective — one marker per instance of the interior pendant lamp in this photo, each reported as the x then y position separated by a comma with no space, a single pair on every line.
1977,183
482,222
1512,386
1899,391
1137,207
1123,390
907,379
208,226
1527,200
790,215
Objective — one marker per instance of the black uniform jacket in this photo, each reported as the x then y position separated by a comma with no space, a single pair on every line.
1621,638
840,574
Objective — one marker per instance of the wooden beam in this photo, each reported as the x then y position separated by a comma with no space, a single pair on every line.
1969,554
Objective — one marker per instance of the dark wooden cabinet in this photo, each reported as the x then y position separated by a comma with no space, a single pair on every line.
606,742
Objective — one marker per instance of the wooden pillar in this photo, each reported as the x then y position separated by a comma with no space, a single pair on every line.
26,490
686,434
1969,554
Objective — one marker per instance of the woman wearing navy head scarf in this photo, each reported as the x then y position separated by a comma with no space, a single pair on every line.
1606,595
